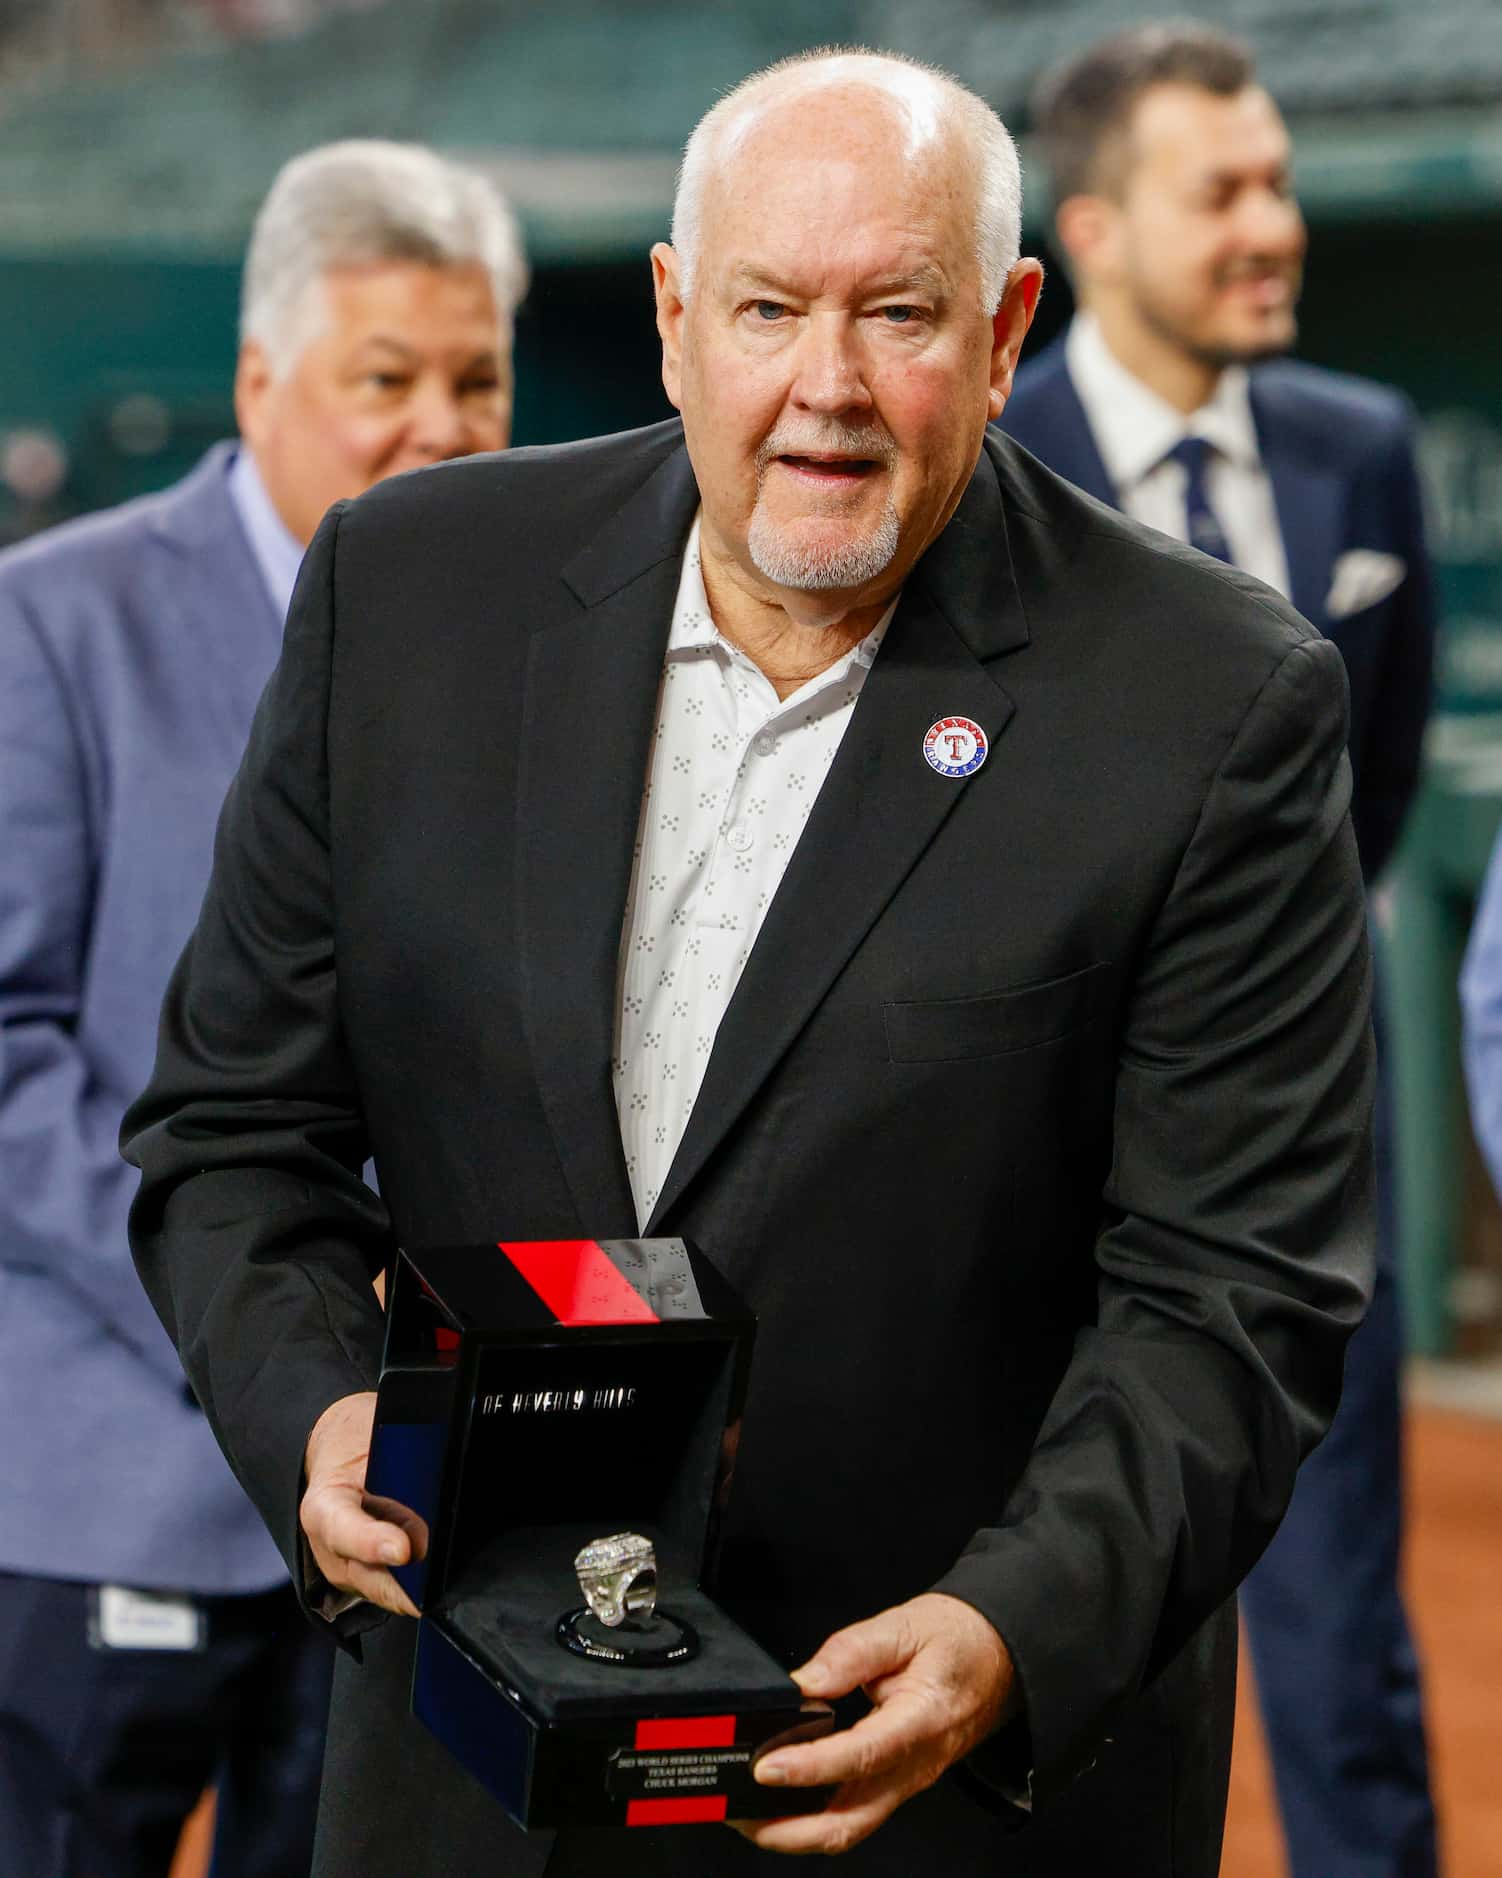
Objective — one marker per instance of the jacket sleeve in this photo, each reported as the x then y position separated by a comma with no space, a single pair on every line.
1481,1008
64,1191
1393,747
1235,1251
253,1231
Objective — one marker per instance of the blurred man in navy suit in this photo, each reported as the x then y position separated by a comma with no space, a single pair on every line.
1168,398
149,1641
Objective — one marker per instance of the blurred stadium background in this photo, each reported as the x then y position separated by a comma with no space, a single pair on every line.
137,137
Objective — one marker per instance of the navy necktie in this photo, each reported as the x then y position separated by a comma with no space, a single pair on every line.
1202,525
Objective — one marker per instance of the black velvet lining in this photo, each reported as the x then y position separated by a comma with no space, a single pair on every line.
505,1606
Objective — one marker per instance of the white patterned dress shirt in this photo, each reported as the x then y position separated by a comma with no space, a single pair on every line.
733,774
1134,430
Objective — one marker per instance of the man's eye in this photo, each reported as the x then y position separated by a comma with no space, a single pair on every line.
770,310
899,315
385,381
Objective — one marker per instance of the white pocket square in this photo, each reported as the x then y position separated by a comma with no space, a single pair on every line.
1361,577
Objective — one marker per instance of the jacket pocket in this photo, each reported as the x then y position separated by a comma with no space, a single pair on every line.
947,1029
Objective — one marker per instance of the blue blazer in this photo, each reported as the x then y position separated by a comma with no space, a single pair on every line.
133,647
1339,453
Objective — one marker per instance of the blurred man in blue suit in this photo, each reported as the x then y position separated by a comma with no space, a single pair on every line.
149,1642
1167,398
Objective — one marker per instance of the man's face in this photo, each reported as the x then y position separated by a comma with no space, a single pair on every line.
1208,242
834,365
408,365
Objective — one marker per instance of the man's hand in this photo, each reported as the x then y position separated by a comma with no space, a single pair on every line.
941,1680
355,1535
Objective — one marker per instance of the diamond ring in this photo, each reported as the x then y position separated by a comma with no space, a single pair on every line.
618,1577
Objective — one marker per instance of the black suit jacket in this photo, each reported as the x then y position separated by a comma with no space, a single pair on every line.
1035,1133
1339,453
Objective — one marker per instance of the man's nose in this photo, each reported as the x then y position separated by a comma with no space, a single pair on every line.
437,424
1272,223
830,373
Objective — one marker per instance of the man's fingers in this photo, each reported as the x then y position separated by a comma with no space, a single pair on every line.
335,1522
378,1586
355,1535
393,1513
850,1817
877,1744
857,1655
353,1542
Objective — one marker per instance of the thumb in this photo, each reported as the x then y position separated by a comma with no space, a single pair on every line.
859,1654
395,1514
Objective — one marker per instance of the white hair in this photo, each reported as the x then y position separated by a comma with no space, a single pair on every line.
361,201
928,95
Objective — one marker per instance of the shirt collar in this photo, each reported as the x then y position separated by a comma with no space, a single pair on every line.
693,628
1135,428
278,553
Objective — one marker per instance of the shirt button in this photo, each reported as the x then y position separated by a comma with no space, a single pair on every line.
765,745
740,838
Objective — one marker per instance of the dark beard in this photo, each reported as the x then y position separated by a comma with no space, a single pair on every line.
1216,358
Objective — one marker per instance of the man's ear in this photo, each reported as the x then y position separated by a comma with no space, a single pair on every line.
254,379
1089,232
1009,327
669,319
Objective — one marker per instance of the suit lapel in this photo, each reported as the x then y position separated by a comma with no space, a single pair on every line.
1308,495
1078,454
880,807
587,720
218,589
1045,415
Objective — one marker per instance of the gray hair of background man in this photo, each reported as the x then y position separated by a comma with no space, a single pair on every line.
365,202
1082,109
921,90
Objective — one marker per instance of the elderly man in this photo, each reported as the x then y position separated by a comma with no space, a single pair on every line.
148,1640
986,995
1167,397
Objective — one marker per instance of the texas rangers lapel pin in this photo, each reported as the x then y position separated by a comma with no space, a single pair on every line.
955,746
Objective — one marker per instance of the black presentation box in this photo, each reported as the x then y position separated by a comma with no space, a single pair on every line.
534,1396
